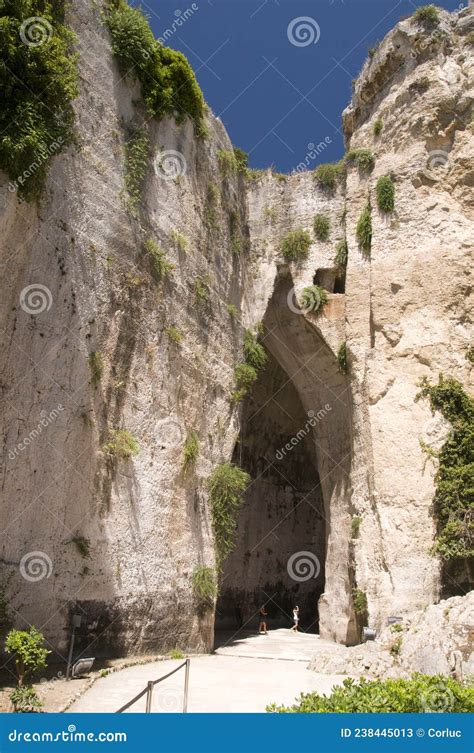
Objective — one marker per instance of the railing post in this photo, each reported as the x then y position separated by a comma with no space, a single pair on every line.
186,687
148,697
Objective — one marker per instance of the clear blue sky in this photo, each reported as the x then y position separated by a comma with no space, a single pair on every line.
273,96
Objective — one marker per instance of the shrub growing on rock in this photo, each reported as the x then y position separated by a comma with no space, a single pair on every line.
136,165
363,158
96,365
427,15
418,694
313,298
204,583
295,246
322,227
327,175
168,82
161,267
364,230
452,502
38,84
385,192
341,255
342,359
121,444
226,486
377,128
254,352
190,450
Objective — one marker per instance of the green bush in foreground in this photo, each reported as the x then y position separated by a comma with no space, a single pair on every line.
226,485
28,649
295,246
418,694
38,81
342,254
254,352
313,298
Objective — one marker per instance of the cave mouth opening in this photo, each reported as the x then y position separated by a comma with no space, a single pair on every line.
279,555
293,543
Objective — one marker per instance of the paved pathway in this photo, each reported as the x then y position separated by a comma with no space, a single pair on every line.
234,679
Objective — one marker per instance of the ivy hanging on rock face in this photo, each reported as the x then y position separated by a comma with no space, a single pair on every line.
453,500
38,80
168,82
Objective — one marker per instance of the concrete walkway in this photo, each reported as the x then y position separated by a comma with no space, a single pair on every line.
234,679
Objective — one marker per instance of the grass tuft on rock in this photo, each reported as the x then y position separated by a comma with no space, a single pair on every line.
364,230
295,246
322,227
385,193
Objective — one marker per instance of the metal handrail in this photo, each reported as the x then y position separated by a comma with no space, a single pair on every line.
151,684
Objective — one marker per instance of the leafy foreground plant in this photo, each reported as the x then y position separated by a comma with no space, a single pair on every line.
254,352
418,694
168,83
342,254
295,246
28,649
452,504
226,486
38,81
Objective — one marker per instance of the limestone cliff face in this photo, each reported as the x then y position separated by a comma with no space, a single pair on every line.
403,313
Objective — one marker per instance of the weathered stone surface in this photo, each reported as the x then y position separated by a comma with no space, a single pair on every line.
403,313
436,640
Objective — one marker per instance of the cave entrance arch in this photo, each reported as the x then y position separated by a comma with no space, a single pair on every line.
293,533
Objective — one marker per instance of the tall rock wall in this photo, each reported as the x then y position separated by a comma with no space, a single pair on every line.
119,538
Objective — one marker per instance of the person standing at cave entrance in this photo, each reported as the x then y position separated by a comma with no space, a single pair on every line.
262,624
296,619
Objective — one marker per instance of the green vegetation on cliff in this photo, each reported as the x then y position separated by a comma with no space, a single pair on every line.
168,82
226,485
38,80
453,502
